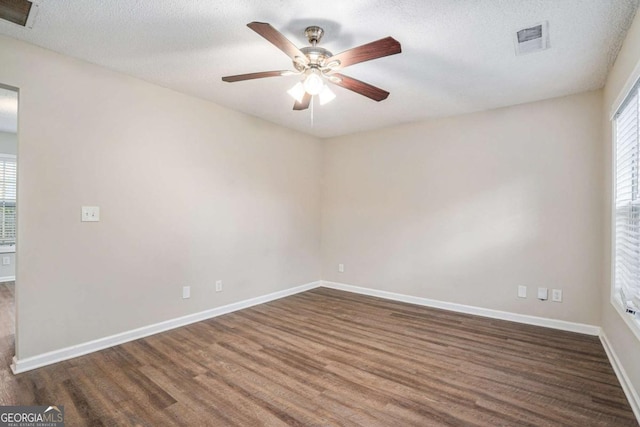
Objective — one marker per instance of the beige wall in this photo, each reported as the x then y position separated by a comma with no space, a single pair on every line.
189,193
465,209
622,339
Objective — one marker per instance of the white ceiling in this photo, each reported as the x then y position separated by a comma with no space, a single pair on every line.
458,55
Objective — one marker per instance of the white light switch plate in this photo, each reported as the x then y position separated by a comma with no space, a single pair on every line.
90,213
556,295
543,294
341,268
186,292
522,291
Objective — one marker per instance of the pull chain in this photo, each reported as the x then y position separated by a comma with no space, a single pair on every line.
312,110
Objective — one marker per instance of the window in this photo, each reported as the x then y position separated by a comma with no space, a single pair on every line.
627,203
8,175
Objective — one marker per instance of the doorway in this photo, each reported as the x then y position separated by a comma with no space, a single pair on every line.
8,230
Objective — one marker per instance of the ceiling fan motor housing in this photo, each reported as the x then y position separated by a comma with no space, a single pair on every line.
315,55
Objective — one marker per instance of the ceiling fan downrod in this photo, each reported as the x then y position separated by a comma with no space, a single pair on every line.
314,34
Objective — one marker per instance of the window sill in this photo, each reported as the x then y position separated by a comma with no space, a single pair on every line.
632,321
8,249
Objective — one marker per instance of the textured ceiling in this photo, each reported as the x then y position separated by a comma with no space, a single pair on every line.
458,55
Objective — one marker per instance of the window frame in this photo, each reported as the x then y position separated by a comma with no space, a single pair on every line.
633,322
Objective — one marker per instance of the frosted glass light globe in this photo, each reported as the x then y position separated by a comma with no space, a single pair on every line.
313,84
326,95
297,92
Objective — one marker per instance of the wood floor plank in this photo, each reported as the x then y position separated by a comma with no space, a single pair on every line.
327,357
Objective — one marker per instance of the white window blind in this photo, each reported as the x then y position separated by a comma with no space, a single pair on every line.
8,179
627,202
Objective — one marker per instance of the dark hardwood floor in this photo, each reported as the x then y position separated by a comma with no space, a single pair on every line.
326,357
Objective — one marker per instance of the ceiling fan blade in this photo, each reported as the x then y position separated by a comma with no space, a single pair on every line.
366,52
304,104
357,86
250,76
278,40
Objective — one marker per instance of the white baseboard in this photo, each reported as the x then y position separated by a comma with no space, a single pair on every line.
468,309
625,382
7,279
27,364
22,365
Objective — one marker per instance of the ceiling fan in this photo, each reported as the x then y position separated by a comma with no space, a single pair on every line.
319,65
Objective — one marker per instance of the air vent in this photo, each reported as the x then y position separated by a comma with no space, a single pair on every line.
16,11
532,39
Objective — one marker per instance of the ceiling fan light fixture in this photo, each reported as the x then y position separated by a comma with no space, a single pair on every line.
313,84
297,92
326,95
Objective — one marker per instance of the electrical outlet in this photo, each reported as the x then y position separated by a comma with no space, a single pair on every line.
543,294
6,260
186,292
556,295
218,285
341,268
522,291
90,213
